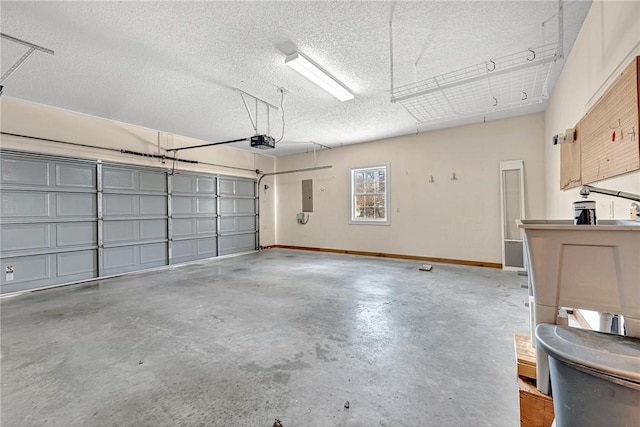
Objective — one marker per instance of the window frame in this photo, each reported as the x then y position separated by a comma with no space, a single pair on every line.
387,193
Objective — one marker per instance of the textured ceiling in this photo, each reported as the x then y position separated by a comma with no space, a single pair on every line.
173,66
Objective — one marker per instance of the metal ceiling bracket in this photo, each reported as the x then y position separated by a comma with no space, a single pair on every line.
466,80
32,48
500,83
560,29
257,101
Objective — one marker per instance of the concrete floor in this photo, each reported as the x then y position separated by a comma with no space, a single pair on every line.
278,334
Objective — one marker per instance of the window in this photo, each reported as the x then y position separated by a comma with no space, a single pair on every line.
370,195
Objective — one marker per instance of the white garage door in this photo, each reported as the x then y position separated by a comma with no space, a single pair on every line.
135,219
193,217
64,219
48,221
238,219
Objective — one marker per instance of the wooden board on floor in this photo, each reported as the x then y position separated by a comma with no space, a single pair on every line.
536,409
525,356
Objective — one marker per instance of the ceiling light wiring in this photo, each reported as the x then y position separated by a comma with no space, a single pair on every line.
282,91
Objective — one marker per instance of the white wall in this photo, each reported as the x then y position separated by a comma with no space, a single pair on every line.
24,118
607,42
448,219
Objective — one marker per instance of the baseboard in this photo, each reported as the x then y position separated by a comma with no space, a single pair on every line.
397,256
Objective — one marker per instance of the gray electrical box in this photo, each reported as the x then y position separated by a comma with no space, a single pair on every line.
307,195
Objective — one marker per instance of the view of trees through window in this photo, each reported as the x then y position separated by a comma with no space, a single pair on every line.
369,193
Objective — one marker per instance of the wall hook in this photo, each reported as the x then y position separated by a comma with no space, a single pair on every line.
453,176
524,95
495,101
431,180
533,53
615,127
493,65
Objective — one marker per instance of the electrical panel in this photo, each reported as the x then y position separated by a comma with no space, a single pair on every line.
307,195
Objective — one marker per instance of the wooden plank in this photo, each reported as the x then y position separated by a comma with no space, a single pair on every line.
397,256
609,131
536,409
525,356
580,320
570,162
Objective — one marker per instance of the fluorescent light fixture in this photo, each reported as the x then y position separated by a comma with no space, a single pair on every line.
317,75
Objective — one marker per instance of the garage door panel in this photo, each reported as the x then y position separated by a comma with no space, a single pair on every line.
38,271
134,258
191,206
206,185
183,250
134,231
206,225
237,224
118,179
26,269
246,206
227,206
237,215
75,176
74,263
184,227
120,257
20,237
194,207
245,188
119,205
49,232
125,259
237,187
190,250
25,204
183,183
205,206
237,243
129,206
153,229
227,186
207,246
153,253
120,231
237,206
182,205
132,179
24,172
76,205
76,234
153,205
153,181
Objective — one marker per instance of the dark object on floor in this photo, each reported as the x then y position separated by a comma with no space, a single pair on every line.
346,404
277,423
426,267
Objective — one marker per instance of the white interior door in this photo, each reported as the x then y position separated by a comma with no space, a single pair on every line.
512,208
